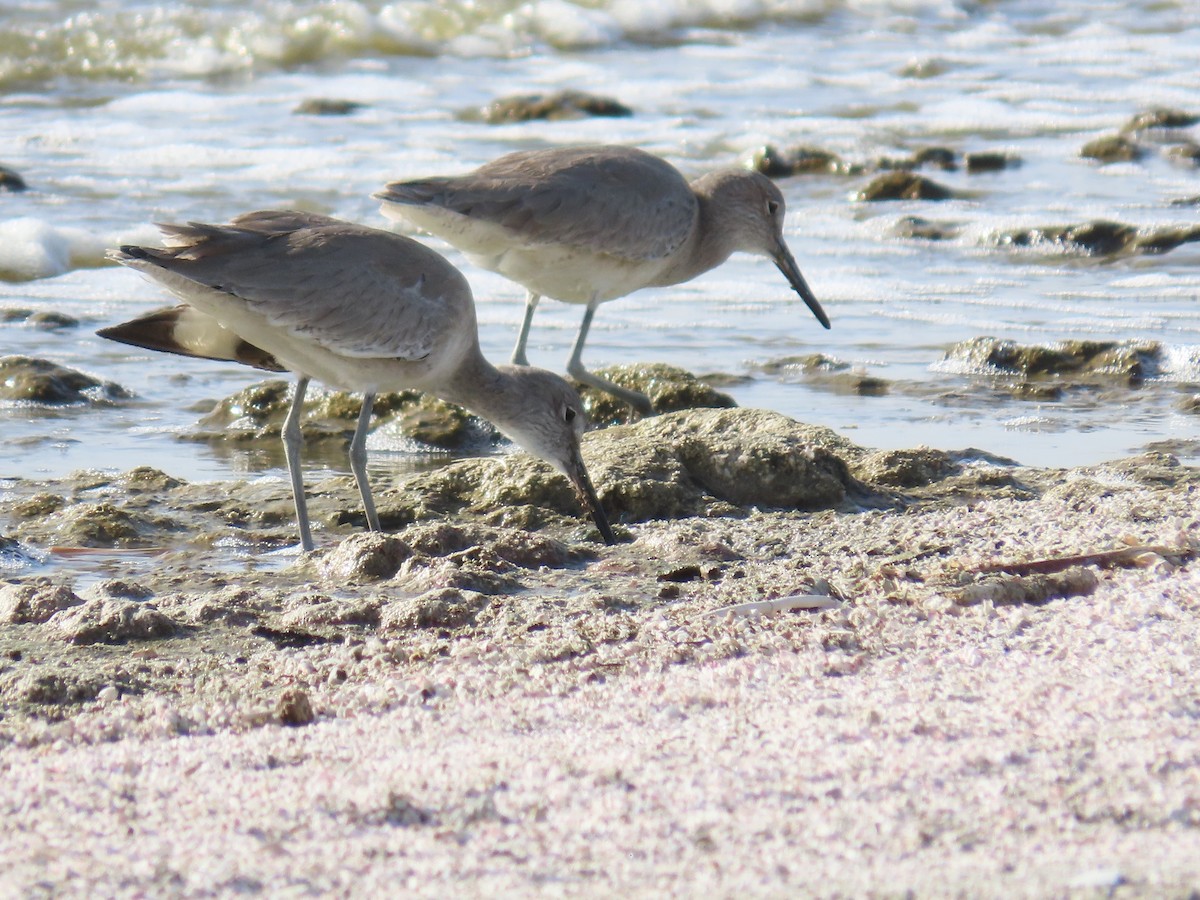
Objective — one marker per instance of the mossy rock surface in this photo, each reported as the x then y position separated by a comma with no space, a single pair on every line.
903,185
25,379
1126,360
776,162
559,106
668,387
933,157
1160,117
321,106
906,468
827,373
691,462
11,180
258,412
1102,238
919,228
981,161
1112,148
44,319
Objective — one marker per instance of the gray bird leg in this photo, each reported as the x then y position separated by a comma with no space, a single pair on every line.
518,355
637,400
292,441
358,461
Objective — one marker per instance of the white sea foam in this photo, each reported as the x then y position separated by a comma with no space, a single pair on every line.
32,248
1182,363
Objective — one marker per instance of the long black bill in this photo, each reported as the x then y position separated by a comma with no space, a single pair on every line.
787,265
589,501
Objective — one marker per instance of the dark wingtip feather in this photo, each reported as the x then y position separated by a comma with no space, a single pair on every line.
128,252
159,330
415,193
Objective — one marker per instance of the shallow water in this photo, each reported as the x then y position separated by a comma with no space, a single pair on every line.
118,115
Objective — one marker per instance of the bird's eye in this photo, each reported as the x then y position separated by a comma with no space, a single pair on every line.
570,414
772,207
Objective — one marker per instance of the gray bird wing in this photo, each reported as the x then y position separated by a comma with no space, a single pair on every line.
612,200
354,290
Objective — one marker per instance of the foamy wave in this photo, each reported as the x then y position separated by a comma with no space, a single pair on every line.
33,248
1181,363
203,39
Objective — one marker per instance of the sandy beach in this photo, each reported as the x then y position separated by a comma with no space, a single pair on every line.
982,685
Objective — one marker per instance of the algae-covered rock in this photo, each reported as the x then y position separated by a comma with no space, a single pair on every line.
316,618
808,364
439,608
919,228
927,67
44,319
776,163
257,413
936,157
1037,391
980,161
145,479
439,424
558,106
1127,360
1186,153
112,621
520,479
827,373
1112,148
668,387
1162,240
51,688
905,468
483,573
321,106
14,555
28,380
903,185
11,180
365,557
529,551
854,382
1189,404
690,462
39,505
232,605
1100,237
683,463
294,708
638,480
100,525
1095,237
34,602
1153,469
1160,117
758,458
1031,589
117,588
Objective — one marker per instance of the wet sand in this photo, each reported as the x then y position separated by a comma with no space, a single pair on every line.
995,695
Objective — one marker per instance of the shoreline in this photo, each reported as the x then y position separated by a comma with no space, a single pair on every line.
479,709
